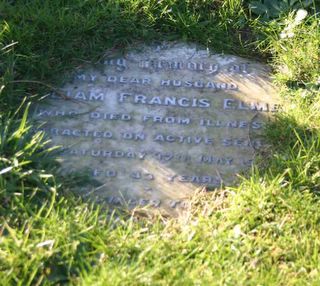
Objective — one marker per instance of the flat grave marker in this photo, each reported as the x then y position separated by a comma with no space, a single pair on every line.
152,126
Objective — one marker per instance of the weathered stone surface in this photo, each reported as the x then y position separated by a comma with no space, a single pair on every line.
159,122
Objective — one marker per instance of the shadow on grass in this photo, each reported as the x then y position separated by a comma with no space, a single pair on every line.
295,151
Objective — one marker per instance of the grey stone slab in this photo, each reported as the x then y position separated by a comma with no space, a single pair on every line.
152,126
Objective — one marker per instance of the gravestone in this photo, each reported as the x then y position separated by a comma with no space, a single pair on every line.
152,126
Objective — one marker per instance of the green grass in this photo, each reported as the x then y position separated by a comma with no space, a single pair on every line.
266,231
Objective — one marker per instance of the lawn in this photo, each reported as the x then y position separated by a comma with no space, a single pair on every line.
265,231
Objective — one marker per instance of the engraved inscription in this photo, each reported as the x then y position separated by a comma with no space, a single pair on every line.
152,126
